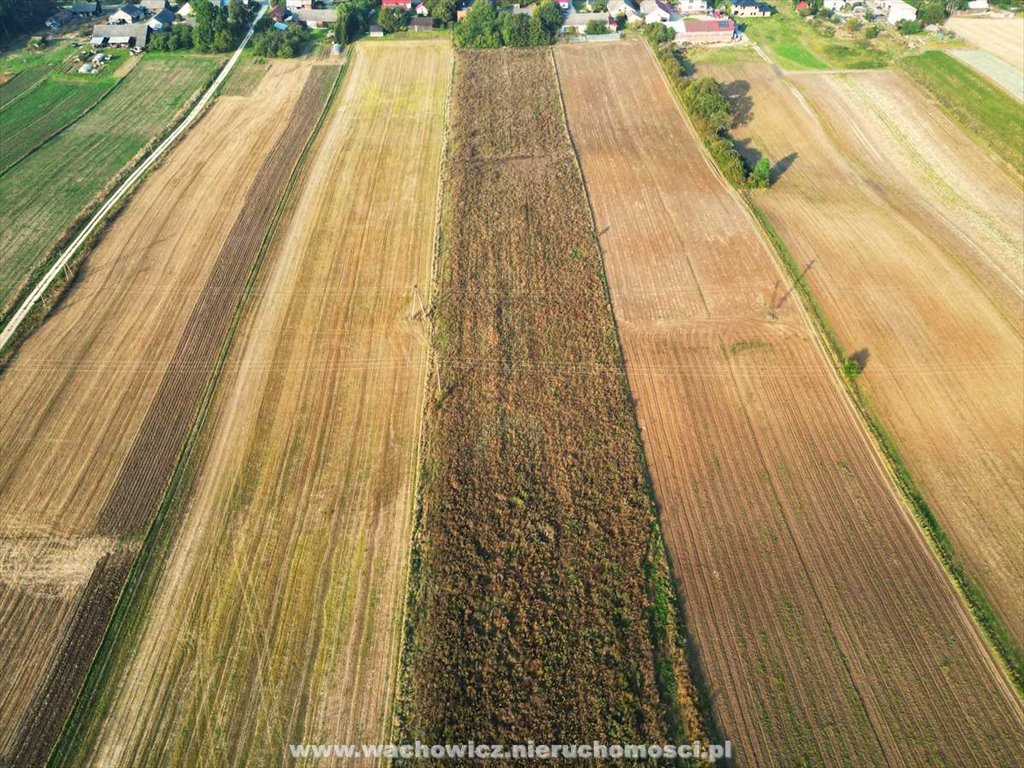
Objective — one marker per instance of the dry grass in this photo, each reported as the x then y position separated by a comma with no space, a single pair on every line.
275,615
826,631
1001,37
531,616
75,398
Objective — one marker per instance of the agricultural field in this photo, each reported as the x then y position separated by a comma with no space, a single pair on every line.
1000,37
539,605
823,627
85,390
45,110
796,45
273,615
47,191
1006,76
873,155
986,113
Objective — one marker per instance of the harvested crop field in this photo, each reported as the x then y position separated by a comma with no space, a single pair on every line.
824,628
934,294
285,575
1001,37
47,191
538,606
77,398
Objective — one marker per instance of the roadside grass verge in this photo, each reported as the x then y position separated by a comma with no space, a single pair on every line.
981,108
980,607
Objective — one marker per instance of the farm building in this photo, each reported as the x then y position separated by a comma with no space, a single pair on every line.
161,20
59,19
977,6
752,9
154,6
576,23
293,5
87,9
627,8
277,13
127,14
703,31
376,31
692,7
121,35
316,18
421,24
900,11
422,10
654,11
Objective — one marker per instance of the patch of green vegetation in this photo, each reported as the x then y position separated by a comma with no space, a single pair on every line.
48,191
245,77
801,45
984,111
44,111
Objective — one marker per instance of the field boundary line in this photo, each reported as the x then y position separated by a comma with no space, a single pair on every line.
394,725
697,695
39,291
993,633
134,595
883,451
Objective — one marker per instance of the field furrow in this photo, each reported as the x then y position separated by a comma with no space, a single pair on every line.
274,614
76,396
825,629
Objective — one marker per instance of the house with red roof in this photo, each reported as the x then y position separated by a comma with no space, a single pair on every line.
703,31
405,5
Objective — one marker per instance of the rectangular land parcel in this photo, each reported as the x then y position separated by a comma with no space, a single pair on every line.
825,630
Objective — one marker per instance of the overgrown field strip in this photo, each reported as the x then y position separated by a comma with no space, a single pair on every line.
74,399
947,232
40,114
275,615
825,630
46,192
539,603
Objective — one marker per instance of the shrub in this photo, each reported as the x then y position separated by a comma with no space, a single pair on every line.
761,176
393,19
870,32
906,27
480,28
658,33
596,28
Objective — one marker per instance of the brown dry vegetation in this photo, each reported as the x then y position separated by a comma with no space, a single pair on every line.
826,631
918,240
81,391
530,614
275,615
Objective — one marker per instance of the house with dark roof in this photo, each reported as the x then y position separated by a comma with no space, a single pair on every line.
278,13
421,24
316,18
153,7
161,20
128,14
87,9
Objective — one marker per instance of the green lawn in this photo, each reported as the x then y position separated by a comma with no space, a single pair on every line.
796,45
49,189
983,109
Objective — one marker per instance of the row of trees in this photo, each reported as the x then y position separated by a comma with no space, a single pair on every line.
485,27
20,16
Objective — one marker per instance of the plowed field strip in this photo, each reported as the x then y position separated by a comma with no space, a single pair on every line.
274,617
148,466
826,630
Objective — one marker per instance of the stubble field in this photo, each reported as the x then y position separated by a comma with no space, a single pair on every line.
825,630
77,398
917,239
1001,37
274,616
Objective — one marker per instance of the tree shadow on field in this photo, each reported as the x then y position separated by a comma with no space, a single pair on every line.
860,357
782,166
738,94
